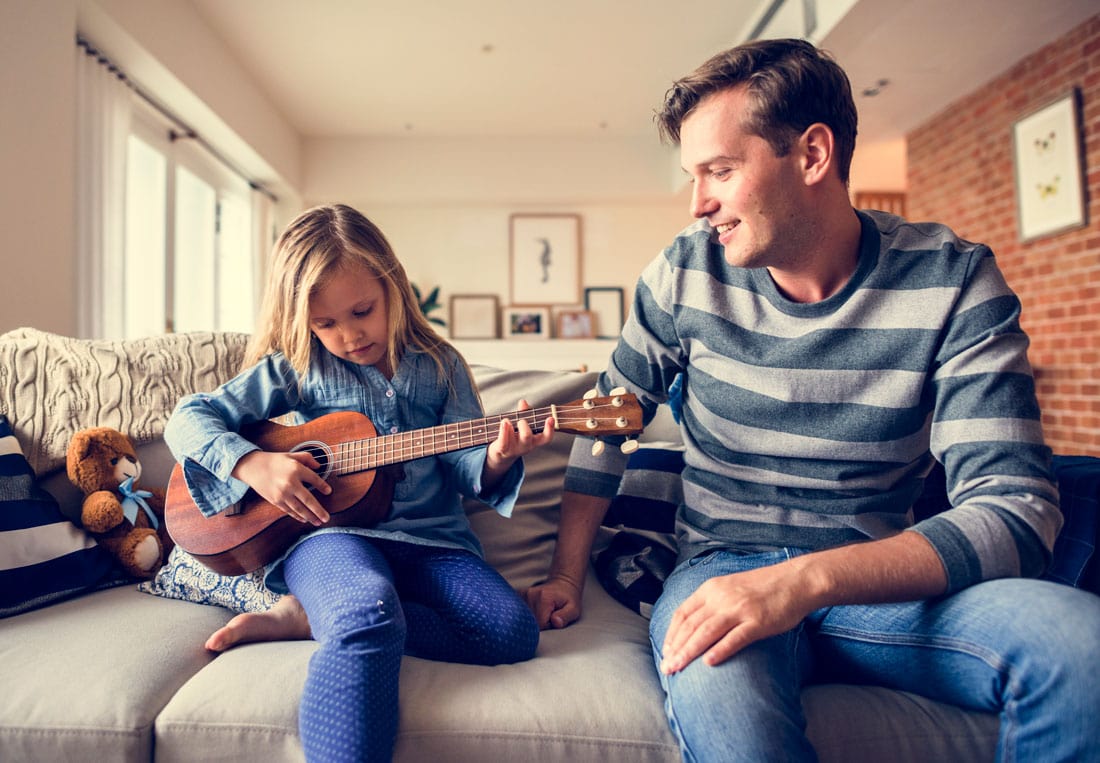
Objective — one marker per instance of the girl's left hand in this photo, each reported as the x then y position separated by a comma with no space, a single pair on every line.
511,443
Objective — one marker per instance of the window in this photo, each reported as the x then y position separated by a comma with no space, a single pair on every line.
189,259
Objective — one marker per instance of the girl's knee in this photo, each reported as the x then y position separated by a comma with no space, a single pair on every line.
377,622
516,639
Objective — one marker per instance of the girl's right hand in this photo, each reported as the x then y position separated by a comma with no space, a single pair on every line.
284,480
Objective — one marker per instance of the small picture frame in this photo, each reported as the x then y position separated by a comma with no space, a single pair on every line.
544,259
475,316
1049,173
606,305
576,324
526,322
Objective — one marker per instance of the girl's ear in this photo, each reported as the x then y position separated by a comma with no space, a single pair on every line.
817,146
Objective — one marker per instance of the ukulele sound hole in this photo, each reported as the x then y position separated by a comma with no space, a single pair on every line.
321,452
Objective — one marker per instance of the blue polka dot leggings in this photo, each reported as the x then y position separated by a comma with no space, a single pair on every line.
369,601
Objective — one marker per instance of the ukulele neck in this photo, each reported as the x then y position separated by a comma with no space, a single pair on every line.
374,452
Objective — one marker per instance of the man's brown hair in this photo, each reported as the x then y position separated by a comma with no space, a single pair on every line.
792,85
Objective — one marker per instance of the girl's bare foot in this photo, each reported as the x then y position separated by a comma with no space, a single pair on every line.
285,621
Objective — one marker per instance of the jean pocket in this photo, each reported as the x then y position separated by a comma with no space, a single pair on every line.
704,557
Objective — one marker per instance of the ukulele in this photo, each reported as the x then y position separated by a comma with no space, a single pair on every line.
362,469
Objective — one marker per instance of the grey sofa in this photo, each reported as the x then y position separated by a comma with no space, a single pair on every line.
121,675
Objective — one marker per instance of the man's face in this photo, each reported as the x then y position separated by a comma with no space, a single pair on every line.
747,193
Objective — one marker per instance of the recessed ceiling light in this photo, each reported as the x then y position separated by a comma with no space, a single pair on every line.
875,89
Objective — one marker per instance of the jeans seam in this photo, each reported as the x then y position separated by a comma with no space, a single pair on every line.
670,714
988,656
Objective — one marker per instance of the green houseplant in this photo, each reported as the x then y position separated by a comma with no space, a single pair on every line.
429,304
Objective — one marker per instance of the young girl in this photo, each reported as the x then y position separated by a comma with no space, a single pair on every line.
341,330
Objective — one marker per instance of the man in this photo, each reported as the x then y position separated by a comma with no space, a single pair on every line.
828,356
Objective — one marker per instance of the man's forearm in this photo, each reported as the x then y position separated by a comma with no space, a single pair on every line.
903,567
580,520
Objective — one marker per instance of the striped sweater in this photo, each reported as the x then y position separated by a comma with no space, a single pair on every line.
814,425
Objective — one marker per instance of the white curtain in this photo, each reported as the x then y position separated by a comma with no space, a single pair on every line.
264,234
103,112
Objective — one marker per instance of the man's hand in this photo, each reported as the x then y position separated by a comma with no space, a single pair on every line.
555,603
727,613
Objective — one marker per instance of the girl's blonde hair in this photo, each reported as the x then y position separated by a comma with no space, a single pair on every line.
317,244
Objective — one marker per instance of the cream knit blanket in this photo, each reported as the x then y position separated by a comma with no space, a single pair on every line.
52,386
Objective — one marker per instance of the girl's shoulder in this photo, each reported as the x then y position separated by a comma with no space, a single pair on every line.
442,354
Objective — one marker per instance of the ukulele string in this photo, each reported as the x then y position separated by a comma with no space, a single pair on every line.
371,452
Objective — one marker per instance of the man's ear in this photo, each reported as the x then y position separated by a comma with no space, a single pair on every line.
817,152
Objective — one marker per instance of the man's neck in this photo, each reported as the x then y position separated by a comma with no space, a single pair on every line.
829,267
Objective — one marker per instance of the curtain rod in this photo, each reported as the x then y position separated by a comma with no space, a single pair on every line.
186,130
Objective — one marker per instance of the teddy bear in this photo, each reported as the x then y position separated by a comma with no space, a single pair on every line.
124,519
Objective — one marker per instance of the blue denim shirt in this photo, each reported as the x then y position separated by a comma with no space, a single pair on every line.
427,508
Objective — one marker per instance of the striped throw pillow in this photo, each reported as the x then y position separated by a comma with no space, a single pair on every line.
44,557
642,550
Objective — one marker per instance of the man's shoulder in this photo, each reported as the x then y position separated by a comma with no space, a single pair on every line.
690,247
698,235
900,235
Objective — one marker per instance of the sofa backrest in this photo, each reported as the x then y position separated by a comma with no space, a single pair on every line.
53,386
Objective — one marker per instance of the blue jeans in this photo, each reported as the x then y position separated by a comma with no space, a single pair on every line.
1025,649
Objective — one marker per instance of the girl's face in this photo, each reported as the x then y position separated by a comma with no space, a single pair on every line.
348,315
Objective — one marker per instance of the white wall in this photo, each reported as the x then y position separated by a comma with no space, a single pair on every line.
37,64
464,248
495,169
444,203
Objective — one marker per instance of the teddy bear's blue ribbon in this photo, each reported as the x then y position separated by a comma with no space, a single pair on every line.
132,499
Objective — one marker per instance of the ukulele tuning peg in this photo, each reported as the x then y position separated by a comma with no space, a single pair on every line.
597,447
628,447
590,394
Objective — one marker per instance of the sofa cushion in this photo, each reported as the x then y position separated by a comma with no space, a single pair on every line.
1072,561
590,694
52,386
44,557
84,679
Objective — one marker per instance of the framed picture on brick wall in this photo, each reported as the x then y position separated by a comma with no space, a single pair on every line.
1050,194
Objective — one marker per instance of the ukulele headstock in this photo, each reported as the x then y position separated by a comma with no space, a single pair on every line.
614,414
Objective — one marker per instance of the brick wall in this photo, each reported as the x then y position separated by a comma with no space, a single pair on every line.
961,174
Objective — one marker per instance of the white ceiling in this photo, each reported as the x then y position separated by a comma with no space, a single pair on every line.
361,68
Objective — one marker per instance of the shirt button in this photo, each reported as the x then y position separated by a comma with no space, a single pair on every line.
393,430
389,392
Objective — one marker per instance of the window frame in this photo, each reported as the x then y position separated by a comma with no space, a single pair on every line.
181,150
